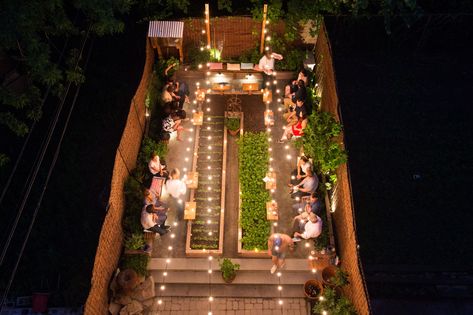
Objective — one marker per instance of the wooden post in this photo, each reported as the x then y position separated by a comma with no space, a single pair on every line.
263,28
207,23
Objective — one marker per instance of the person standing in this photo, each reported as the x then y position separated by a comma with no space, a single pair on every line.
278,246
266,65
175,186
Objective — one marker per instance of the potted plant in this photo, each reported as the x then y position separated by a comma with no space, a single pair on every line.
228,269
313,289
233,125
334,276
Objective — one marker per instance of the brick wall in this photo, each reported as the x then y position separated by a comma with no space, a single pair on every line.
344,216
110,242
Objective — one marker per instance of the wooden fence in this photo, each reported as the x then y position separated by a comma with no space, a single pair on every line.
344,216
236,34
111,237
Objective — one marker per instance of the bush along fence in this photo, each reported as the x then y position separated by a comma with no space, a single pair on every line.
253,165
137,249
331,164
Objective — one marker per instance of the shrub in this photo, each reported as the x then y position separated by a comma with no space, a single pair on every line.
197,56
139,263
333,304
319,142
135,241
253,165
232,123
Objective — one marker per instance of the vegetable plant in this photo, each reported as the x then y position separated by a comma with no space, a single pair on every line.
253,164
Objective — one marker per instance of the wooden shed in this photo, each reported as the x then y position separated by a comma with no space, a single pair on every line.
166,37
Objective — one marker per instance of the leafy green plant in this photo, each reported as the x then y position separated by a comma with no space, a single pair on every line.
228,268
253,164
340,279
134,241
319,142
198,56
253,56
331,303
232,123
138,263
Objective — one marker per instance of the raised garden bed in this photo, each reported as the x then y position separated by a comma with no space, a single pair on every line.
205,232
254,228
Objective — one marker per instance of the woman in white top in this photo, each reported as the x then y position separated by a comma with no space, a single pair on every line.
155,167
302,166
174,186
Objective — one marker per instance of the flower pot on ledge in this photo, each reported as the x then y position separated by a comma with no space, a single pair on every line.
313,289
234,132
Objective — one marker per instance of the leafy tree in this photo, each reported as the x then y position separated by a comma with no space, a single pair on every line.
31,41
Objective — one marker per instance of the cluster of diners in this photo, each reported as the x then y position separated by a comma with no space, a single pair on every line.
306,223
159,179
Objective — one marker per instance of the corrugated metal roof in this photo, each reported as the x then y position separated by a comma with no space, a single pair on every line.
166,29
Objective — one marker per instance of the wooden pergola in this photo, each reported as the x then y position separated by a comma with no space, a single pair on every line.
166,34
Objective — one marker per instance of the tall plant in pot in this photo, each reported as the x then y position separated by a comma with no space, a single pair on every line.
228,269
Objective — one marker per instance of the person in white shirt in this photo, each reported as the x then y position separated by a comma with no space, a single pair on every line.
174,186
266,65
155,167
312,229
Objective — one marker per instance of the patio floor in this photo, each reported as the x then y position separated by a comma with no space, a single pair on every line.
284,161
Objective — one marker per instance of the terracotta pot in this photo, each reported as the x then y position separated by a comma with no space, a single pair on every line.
128,279
229,280
313,289
328,273
234,132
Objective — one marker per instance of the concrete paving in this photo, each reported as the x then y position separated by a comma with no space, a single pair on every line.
230,306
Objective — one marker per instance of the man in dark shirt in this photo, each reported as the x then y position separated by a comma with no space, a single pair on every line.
313,205
301,92
300,111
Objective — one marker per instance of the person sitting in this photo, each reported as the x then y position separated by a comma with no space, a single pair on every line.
168,92
307,205
291,88
293,115
175,186
301,93
172,123
155,167
307,186
296,130
182,91
150,198
311,229
302,165
154,218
